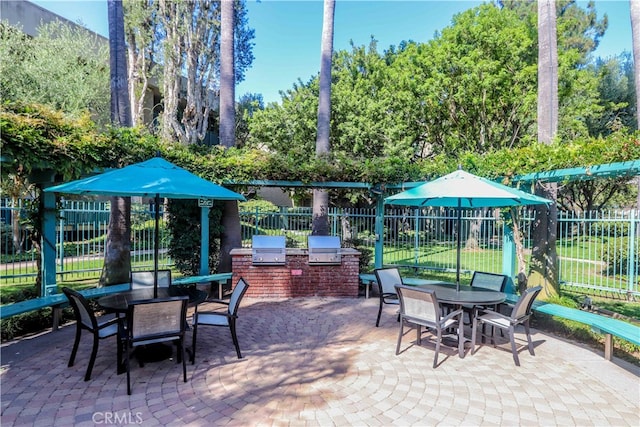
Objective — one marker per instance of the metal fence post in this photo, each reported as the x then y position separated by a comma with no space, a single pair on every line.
204,240
379,231
48,254
509,257
631,252
416,240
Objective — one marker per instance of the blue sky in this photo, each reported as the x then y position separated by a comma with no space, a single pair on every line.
287,42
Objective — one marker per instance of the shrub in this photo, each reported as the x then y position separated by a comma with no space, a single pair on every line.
616,255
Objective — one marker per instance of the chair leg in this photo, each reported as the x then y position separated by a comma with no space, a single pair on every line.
513,345
474,328
435,357
234,337
92,359
184,360
178,343
193,341
127,361
74,350
379,313
528,332
460,337
119,354
418,334
400,336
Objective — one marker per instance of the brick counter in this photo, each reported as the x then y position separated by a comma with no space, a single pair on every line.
296,278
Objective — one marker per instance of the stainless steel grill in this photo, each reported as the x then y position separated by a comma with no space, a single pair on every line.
268,250
324,250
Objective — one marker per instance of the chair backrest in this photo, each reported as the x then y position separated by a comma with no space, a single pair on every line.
523,306
418,303
236,296
387,279
84,314
156,318
495,282
144,279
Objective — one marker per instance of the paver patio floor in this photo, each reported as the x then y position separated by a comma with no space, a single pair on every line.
318,361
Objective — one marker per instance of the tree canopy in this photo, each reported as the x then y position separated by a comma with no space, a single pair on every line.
64,67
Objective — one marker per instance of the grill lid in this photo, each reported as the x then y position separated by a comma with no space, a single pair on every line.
324,242
271,242
268,250
324,250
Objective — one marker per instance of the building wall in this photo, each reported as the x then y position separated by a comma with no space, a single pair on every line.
29,16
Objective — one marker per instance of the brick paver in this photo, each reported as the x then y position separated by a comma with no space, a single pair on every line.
317,361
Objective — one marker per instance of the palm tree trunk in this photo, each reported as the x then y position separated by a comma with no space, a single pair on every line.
543,256
231,235
320,224
117,253
635,45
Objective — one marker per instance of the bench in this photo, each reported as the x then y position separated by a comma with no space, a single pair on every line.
57,302
221,278
598,323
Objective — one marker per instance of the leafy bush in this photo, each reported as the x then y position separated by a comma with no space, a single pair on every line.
616,256
366,253
609,229
32,322
184,227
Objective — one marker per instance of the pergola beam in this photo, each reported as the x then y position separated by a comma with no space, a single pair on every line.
610,170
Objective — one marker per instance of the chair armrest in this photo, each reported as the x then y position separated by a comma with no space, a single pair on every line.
497,313
452,314
217,301
114,321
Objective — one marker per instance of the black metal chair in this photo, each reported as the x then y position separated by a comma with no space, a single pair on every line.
221,318
155,321
387,278
144,279
420,307
86,319
491,281
520,315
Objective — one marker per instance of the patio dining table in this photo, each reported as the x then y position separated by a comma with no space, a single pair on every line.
119,303
467,295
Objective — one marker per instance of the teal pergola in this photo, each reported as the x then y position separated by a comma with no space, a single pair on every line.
611,170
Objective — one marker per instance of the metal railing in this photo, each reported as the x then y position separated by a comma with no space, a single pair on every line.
597,251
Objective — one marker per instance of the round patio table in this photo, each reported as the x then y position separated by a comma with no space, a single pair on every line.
120,302
468,295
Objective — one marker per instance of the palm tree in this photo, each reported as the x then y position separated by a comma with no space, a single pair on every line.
635,45
320,224
543,256
117,253
231,234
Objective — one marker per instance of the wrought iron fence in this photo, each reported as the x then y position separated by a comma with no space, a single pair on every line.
80,235
597,251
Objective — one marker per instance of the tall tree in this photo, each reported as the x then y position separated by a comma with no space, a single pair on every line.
635,45
117,253
635,33
231,233
191,63
544,265
320,224
141,32
65,67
